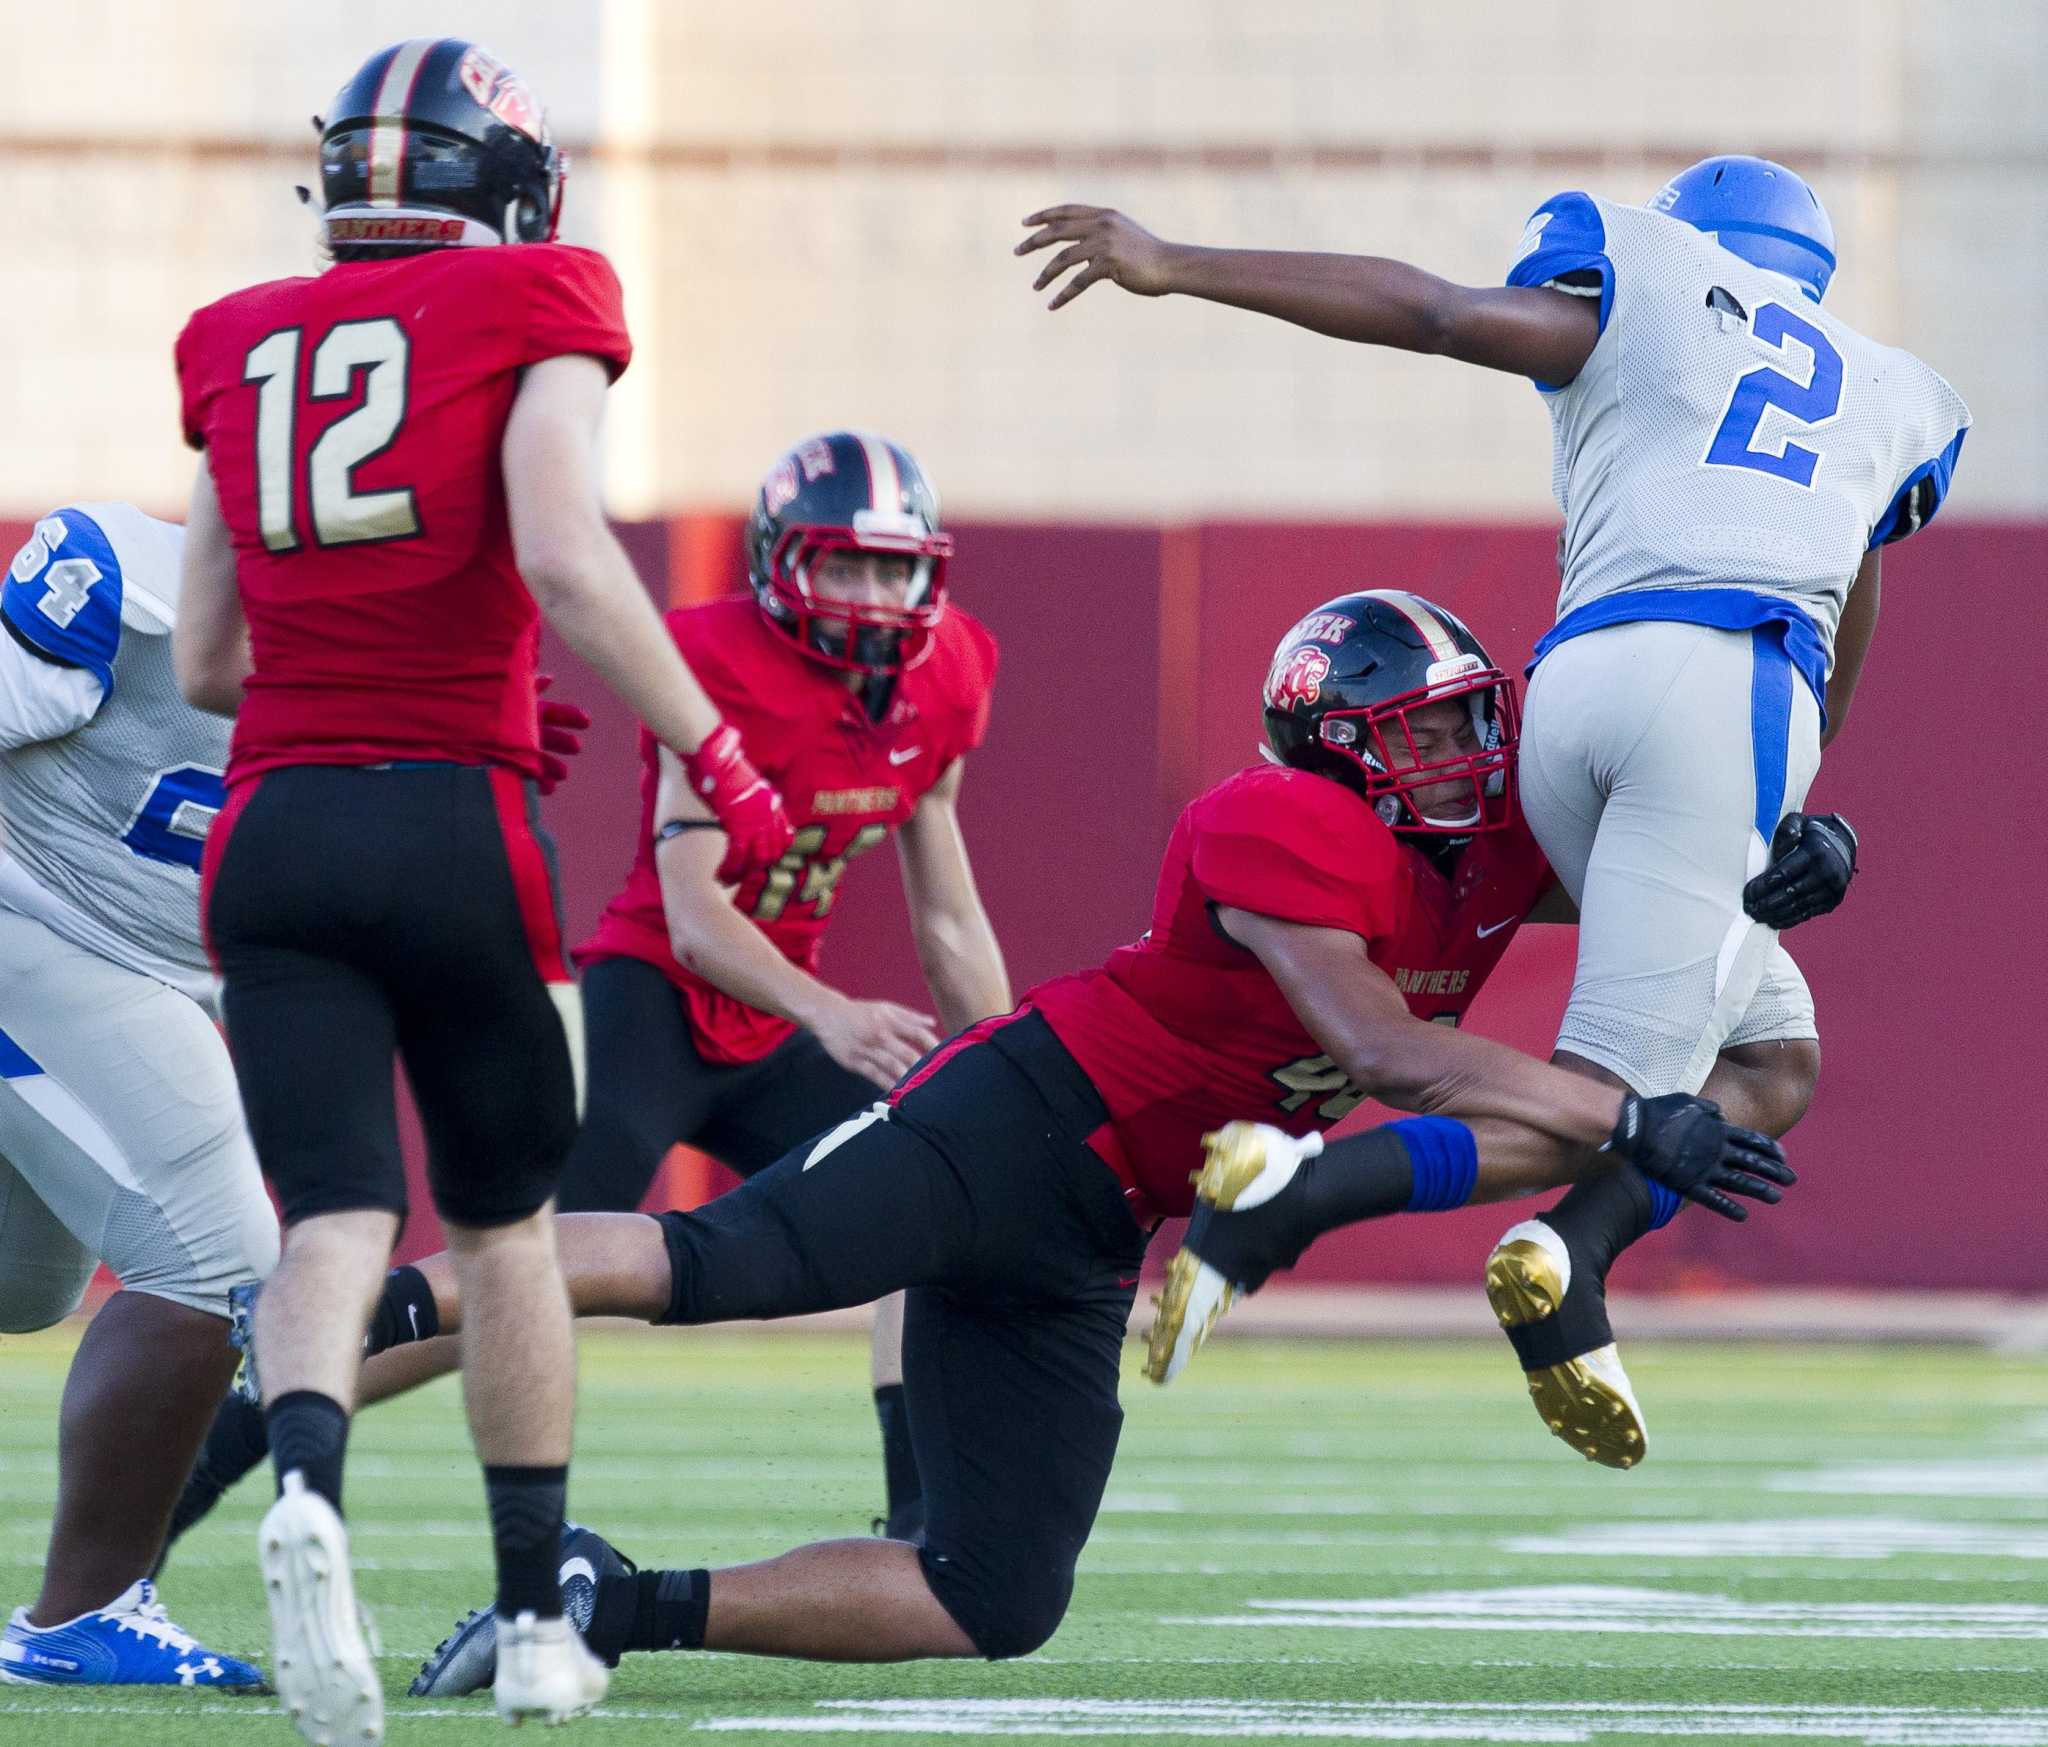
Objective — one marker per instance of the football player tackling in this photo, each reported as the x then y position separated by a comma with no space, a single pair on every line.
1731,460
1319,925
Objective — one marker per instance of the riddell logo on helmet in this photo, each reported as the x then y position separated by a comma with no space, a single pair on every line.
400,229
502,92
1297,677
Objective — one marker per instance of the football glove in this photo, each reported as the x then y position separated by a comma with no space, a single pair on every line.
1813,859
561,735
749,811
1684,1144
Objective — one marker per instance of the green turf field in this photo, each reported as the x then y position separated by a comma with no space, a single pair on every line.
1350,1542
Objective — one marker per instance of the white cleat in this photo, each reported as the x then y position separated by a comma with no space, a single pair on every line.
320,1663
1244,1165
1586,1401
545,1671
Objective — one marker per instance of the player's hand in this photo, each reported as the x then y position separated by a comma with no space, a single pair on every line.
1684,1144
749,811
561,735
876,1039
1104,243
1813,859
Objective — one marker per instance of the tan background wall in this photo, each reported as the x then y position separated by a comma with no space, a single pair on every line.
812,207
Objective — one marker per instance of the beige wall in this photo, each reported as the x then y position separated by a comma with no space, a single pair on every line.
795,256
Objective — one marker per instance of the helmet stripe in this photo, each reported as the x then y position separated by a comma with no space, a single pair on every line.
1441,643
883,482
387,124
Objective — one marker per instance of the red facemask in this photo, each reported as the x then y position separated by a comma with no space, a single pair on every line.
1364,735
860,636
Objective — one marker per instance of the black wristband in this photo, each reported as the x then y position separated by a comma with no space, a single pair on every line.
676,827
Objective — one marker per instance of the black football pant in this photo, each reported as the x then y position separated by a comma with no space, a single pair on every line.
364,914
651,1089
977,1190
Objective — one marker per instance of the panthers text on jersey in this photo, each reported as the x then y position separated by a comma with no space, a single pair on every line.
109,780
1727,433
847,781
1186,1030
353,421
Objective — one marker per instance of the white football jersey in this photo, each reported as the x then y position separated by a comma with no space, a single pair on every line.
1727,431
109,779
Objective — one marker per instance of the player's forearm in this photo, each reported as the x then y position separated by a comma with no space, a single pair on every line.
963,967
1364,298
712,940
596,604
1852,645
1437,1071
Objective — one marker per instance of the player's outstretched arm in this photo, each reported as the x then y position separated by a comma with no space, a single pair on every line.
1351,1007
210,641
956,946
1525,330
713,940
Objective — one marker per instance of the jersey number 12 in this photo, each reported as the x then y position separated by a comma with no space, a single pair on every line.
377,353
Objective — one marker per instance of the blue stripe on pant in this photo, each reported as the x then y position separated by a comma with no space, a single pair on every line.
1770,723
15,1062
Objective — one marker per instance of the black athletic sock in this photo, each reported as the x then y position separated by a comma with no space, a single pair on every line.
526,1531
405,1312
899,1460
308,1431
648,1610
1597,1220
1365,1176
235,1443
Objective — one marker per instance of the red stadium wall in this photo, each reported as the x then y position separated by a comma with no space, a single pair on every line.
1131,660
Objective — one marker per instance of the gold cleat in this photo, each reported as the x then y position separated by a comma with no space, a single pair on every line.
1586,1401
1235,1158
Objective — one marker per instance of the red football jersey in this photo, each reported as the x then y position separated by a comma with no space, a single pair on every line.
847,782
353,421
1185,1030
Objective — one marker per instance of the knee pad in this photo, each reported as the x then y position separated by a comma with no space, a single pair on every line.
1008,1608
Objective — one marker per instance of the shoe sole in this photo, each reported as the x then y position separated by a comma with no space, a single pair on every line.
1579,1407
1196,1297
325,1679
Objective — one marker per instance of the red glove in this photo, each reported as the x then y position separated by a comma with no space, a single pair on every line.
757,829
561,736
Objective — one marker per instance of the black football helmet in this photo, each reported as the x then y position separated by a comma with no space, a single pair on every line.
847,491
436,142
1343,682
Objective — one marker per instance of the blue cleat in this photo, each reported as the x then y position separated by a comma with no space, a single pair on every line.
129,1642
466,1660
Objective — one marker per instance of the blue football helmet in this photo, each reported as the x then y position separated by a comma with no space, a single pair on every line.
1760,211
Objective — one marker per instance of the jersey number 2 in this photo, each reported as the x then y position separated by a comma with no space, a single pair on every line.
1812,402
379,352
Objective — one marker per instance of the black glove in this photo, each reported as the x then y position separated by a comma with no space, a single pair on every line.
1813,859
1682,1143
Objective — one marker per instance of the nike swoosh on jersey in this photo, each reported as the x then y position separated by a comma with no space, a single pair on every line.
904,754
1496,928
